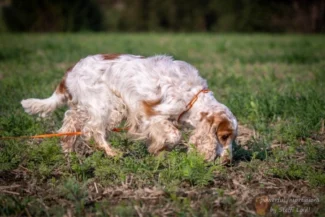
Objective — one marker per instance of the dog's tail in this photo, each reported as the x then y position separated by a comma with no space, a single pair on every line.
45,106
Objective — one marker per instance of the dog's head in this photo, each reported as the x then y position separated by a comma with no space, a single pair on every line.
214,135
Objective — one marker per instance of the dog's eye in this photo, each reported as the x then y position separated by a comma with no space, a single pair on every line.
224,137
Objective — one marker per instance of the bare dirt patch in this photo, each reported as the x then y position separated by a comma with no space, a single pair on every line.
245,134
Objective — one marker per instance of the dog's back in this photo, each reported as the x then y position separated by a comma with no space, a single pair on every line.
135,79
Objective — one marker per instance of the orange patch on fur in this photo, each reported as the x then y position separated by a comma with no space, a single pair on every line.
69,69
110,56
204,115
224,131
148,107
62,88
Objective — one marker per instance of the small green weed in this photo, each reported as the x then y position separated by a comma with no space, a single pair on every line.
45,158
186,167
75,192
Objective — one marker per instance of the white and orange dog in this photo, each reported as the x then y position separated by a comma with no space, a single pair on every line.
154,95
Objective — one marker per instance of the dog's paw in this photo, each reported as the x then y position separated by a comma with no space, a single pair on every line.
173,135
112,152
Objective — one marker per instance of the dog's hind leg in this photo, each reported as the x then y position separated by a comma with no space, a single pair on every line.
70,124
95,127
162,135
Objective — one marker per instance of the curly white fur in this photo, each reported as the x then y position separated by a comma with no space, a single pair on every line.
149,93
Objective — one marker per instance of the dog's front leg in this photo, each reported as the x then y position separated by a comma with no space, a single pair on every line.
162,135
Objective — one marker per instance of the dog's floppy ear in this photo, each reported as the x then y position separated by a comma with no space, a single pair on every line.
206,122
202,130
222,127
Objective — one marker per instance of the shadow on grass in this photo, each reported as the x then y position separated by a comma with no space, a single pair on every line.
254,149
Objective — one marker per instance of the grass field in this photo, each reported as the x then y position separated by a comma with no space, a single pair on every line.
274,84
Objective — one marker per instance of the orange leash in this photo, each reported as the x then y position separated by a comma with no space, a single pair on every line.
42,136
188,107
191,103
49,135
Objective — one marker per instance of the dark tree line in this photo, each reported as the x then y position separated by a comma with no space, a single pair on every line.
53,15
166,15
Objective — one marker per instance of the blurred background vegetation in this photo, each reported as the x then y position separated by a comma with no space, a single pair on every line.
304,16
